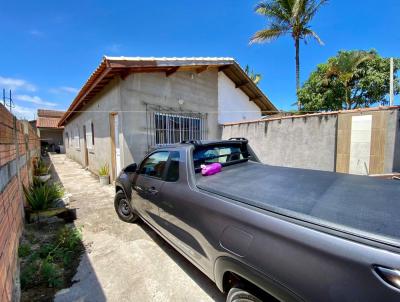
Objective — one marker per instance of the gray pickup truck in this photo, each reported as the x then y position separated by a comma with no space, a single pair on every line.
266,233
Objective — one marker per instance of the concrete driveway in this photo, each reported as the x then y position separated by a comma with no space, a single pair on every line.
123,262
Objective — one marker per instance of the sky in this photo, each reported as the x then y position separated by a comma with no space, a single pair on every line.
49,48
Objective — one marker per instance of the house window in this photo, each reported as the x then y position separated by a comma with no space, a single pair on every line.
89,135
67,139
92,128
173,128
77,138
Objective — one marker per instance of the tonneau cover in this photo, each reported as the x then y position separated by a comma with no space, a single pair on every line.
369,205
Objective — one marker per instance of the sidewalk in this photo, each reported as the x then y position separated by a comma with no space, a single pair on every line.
123,262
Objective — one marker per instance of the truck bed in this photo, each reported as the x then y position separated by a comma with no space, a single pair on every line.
350,203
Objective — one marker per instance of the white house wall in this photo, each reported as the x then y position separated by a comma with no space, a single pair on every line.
233,104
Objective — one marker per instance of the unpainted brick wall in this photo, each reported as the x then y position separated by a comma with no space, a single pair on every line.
14,172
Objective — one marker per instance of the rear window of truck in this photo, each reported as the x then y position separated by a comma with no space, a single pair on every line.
223,154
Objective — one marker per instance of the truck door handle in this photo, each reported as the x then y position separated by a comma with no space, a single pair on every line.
138,188
152,191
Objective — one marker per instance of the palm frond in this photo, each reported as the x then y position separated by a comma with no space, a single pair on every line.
273,12
269,34
310,33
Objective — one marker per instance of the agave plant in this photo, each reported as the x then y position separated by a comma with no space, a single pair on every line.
41,196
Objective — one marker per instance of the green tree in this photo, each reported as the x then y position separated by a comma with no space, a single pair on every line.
351,79
291,17
255,77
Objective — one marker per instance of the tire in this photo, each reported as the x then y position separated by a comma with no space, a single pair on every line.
236,294
123,208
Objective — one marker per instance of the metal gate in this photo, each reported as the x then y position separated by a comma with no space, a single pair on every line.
167,126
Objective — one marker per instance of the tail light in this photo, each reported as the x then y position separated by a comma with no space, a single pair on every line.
389,275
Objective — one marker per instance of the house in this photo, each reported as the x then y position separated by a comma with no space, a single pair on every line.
131,104
51,135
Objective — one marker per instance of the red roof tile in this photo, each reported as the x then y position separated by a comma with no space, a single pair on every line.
49,113
47,122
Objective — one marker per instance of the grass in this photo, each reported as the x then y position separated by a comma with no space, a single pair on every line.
49,257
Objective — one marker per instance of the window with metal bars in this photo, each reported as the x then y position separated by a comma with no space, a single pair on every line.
174,128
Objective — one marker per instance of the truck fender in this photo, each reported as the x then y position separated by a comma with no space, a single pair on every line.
267,284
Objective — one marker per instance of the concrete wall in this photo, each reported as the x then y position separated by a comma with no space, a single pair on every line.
199,93
233,104
129,97
291,142
396,134
98,111
323,141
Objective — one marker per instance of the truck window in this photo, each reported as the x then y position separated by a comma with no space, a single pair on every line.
218,154
154,165
173,168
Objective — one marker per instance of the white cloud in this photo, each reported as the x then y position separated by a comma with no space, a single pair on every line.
33,99
24,112
16,84
64,89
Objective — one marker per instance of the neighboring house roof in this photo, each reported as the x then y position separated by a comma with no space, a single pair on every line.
123,66
48,118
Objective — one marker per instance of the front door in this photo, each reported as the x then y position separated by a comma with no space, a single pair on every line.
116,152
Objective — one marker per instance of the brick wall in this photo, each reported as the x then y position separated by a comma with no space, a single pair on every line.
18,144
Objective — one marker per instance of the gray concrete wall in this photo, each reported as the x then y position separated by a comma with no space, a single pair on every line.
98,111
396,151
198,91
298,142
391,144
129,97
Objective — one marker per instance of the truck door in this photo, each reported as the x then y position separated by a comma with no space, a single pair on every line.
149,183
176,217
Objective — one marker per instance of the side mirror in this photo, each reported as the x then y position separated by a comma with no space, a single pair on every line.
131,168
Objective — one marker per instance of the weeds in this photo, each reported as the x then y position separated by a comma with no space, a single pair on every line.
47,264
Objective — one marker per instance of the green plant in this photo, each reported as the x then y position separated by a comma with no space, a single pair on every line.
104,170
51,273
350,79
40,168
40,196
24,250
292,18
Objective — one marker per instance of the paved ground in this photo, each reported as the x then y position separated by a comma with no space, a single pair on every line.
123,262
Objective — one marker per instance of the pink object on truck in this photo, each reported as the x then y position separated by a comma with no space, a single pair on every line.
211,169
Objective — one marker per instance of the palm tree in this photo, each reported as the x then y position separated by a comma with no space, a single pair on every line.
344,68
255,77
288,17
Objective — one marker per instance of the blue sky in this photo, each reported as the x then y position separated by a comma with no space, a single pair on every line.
49,48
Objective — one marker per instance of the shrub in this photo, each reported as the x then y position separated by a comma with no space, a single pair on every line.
41,196
104,170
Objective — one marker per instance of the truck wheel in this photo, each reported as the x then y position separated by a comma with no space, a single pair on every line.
123,208
236,294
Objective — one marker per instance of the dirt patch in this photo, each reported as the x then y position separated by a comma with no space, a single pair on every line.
49,253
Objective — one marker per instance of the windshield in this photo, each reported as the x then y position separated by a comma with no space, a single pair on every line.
223,154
